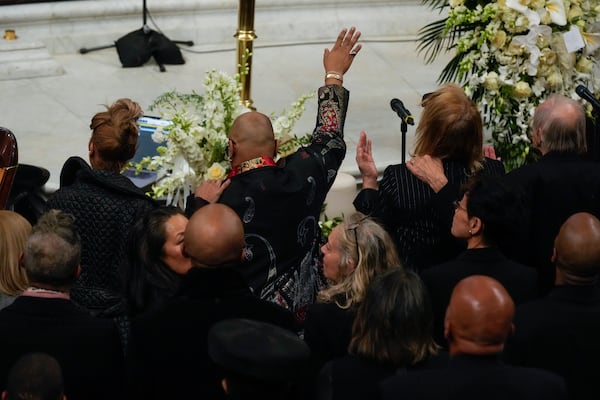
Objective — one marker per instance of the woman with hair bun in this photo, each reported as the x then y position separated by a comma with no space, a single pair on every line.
105,204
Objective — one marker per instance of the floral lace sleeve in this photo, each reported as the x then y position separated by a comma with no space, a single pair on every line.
333,104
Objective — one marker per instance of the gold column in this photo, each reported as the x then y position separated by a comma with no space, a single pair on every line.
245,37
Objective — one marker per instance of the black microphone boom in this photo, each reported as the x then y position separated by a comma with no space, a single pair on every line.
402,112
585,94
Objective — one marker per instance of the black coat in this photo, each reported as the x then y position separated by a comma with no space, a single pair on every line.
105,206
555,187
419,219
356,378
327,331
88,349
280,207
476,377
169,356
520,281
561,333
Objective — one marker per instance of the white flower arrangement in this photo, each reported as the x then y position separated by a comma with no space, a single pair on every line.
512,54
192,148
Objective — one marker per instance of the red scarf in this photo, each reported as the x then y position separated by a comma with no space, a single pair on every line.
252,164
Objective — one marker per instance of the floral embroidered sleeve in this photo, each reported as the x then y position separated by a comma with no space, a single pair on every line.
328,137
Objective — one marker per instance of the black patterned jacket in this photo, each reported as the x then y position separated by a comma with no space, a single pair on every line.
280,208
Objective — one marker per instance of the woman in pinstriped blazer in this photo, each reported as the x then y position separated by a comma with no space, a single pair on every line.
417,208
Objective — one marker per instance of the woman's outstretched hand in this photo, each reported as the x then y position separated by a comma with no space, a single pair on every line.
365,162
341,55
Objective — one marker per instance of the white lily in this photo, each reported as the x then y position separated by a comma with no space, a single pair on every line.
530,41
532,16
591,39
556,8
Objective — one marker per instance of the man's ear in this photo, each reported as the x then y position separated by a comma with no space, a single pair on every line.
276,148
447,329
554,256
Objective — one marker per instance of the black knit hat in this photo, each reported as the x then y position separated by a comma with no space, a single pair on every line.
257,350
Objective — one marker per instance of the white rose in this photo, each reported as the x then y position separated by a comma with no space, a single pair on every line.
522,90
216,171
584,65
491,81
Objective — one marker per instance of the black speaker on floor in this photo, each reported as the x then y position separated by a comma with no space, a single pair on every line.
136,48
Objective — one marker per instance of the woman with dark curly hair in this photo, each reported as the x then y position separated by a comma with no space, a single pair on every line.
105,204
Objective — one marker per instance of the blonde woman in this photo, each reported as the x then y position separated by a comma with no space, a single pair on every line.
357,250
14,231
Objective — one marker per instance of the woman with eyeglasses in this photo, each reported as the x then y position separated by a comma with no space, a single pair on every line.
357,250
487,218
415,207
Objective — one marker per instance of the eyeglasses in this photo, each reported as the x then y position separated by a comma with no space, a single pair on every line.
227,146
457,206
353,228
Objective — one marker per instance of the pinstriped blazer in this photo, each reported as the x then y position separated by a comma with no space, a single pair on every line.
419,219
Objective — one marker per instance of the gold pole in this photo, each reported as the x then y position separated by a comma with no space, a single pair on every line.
245,36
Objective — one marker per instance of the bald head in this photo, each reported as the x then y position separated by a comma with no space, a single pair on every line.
577,250
479,316
559,126
214,236
252,134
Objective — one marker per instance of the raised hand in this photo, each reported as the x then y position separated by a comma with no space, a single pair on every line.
365,162
340,56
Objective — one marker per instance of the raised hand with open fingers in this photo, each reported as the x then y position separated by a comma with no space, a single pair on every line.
340,57
365,162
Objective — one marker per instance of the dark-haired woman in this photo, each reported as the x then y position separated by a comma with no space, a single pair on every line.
486,218
105,204
392,333
156,258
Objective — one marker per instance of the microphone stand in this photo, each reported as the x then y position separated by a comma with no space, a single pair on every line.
403,129
595,151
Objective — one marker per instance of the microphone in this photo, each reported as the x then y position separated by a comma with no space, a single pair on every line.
585,94
402,112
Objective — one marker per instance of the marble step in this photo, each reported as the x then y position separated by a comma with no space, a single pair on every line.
20,60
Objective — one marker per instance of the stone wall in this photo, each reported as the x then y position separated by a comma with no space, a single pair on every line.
65,27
